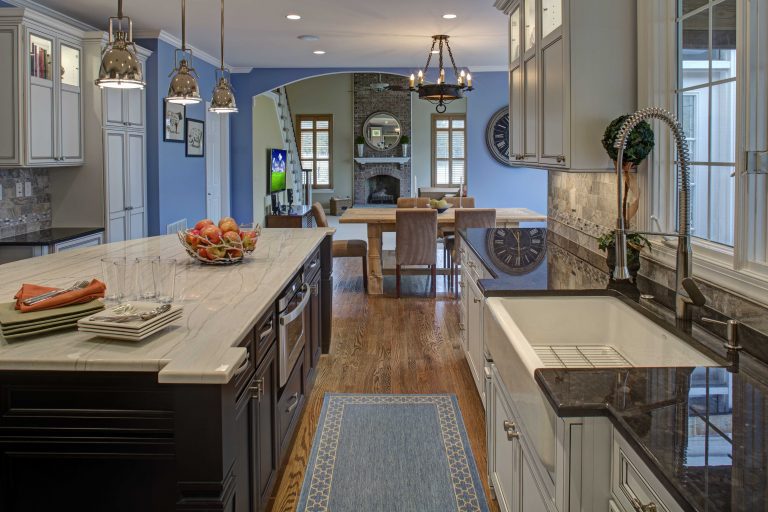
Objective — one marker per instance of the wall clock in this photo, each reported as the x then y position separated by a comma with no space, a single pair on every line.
517,251
497,135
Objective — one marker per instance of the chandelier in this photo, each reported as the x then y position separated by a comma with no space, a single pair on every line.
120,69
442,92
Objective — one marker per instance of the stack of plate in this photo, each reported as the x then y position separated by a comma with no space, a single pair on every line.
15,324
108,324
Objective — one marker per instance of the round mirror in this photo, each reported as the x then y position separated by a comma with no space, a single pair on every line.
382,131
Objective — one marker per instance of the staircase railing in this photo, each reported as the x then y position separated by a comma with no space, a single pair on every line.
291,137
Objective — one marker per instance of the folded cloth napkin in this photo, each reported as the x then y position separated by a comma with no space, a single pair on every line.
93,291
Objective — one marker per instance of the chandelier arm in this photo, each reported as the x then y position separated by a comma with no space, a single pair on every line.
429,56
453,62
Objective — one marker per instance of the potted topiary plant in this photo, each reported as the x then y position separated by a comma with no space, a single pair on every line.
405,141
360,141
640,143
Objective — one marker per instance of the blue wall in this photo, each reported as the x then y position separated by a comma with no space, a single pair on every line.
175,182
493,184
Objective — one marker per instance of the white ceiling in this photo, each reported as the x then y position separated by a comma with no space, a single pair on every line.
354,33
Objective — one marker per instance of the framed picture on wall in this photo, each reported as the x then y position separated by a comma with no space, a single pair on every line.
195,137
174,117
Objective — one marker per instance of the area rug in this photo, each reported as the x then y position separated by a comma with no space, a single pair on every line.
391,453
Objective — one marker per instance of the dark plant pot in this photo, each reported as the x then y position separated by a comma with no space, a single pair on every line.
633,260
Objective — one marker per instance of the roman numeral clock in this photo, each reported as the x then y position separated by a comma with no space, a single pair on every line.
497,135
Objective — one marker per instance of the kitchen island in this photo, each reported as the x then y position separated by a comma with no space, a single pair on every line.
192,418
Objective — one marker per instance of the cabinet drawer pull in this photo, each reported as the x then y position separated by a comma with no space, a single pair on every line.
511,429
560,159
313,264
266,332
461,326
244,365
294,402
639,507
476,301
257,389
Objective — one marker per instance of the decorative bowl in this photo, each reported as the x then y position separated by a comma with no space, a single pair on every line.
225,252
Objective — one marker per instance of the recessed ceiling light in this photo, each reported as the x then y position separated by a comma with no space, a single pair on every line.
449,16
319,52
308,37
293,17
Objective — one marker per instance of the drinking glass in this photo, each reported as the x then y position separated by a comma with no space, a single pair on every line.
115,275
166,280
147,277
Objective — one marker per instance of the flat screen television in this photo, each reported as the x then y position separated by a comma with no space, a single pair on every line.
277,170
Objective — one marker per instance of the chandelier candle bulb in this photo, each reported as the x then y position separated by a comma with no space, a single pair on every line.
421,77
469,80
411,81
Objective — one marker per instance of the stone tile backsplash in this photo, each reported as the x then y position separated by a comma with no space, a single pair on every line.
582,206
26,214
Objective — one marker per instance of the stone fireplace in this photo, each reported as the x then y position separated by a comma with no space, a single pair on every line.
377,179
383,189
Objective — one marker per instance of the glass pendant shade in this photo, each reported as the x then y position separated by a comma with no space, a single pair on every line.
223,101
120,68
183,89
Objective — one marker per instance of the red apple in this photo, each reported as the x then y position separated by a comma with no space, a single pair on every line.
231,238
234,253
216,252
249,240
211,233
202,253
228,224
201,224
192,238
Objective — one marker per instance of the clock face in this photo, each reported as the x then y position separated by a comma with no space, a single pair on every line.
517,250
497,135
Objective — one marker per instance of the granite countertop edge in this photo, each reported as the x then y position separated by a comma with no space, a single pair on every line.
71,234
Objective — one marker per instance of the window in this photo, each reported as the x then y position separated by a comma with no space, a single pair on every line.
315,148
449,166
707,108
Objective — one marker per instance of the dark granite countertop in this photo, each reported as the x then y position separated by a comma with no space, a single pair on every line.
702,431
48,236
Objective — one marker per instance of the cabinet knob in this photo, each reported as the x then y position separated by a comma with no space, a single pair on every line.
477,301
560,159
639,507
511,429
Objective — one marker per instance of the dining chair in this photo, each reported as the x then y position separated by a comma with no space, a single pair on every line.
416,238
344,248
413,202
460,202
464,219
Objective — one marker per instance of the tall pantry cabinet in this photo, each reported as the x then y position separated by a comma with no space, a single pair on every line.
41,91
111,187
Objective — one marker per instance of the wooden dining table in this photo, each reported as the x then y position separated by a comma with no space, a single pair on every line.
381,220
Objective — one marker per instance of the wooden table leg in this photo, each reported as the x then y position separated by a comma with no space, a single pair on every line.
375,270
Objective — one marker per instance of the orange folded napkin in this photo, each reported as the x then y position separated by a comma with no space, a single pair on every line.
93,291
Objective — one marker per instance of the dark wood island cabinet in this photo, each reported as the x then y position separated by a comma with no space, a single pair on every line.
194,434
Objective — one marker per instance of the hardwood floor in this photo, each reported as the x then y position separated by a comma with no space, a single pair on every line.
385,345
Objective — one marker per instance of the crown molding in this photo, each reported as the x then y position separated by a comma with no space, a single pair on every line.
487,69
174,41
56,15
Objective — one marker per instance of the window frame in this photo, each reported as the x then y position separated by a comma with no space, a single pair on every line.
731,268
314,118
433,149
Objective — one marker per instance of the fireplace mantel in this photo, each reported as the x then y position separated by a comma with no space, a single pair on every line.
383,160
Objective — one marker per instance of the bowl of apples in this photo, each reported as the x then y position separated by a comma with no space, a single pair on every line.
223,244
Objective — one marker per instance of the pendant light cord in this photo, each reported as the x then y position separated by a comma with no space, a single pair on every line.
222,35
183,25
119,9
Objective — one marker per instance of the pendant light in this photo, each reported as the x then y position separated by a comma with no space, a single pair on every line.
223,101
120,69
442,92
183,89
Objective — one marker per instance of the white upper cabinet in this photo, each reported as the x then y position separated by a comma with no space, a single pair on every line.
41,91
572,69
123,107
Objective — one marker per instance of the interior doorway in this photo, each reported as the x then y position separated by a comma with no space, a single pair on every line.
216,164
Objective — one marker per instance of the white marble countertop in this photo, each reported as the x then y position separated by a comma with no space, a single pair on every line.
221,304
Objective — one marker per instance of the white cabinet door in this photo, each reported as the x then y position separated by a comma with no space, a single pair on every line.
136,184
553,105
70,104
530,109
42,125
515,85
115,159
133,103
463,308
474,352
113,106
532,499
505,453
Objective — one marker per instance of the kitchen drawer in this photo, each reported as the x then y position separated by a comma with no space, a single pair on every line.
243,375
265,333
289,404
312,266
633,486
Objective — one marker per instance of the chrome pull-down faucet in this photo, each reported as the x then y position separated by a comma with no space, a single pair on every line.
683,271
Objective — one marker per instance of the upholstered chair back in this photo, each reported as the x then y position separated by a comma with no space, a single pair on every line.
416,236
